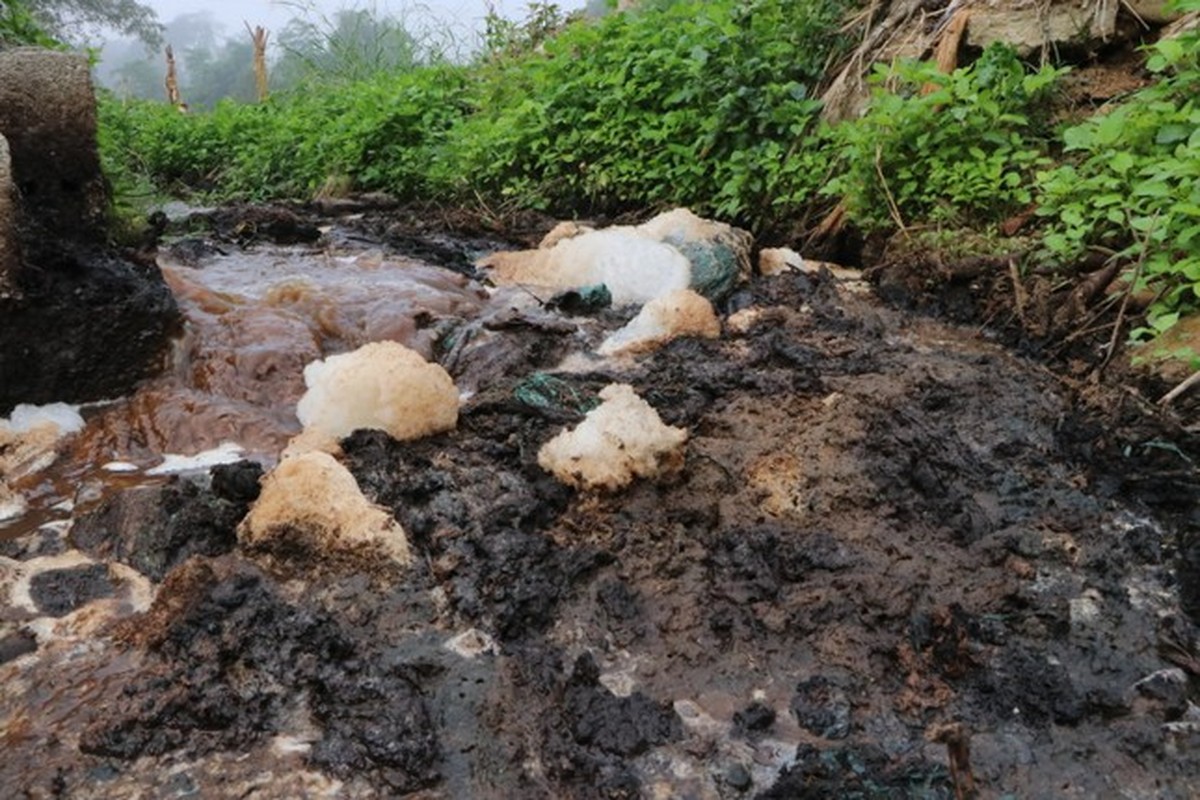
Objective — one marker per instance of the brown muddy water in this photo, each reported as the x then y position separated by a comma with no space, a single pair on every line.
883,525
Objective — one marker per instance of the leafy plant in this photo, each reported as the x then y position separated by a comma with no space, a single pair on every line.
1132,185
687,102
381,133
19,27
941,148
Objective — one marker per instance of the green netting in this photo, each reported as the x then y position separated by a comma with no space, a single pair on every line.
581,301
714,267
541,390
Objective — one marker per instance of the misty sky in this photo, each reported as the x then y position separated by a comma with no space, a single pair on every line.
466,15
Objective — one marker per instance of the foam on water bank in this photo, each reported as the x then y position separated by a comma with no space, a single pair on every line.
311,506
620,440
384,386
680,313
224,453
25,418
29,443
672,251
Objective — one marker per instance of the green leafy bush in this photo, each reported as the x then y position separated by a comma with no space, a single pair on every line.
1132,185
963,153
687,102
382,133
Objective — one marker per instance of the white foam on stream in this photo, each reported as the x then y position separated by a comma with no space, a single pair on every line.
26,417
224,453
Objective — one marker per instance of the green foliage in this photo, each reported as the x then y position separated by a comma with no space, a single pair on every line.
383,133
704,103
79,21
688,102
1132,185
964,150
506,38
352,45
19,27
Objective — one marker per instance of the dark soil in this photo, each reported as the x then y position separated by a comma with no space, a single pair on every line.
883,524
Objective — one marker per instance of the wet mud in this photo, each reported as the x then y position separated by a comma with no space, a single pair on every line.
884,523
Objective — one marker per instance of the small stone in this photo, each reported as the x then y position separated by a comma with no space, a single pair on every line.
737,777
754,718
59,592
1163,693
822,708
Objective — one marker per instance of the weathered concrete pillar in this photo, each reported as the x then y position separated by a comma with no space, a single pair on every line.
48,115
9,252
78,321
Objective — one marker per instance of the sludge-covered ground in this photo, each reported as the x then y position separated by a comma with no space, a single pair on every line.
883,524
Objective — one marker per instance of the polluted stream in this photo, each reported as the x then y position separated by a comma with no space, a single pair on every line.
893,560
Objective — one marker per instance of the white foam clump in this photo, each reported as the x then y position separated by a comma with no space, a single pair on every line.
381,385
25,418
29,440
12,505
172,463
680,313
311,503
621,439
635,268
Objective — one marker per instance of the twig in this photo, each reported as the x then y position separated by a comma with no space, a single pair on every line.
1186,384
1133,279
887,192
958,745
1020,297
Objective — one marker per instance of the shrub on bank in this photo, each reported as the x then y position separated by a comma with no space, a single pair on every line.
704,103
1130,185
957,150
385,133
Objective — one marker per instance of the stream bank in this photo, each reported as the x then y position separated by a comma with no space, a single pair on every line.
884,523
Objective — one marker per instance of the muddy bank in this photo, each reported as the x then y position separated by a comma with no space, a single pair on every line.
883,523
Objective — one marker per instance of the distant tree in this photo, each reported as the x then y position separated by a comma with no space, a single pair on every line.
18,26
142,79
77,21
214,75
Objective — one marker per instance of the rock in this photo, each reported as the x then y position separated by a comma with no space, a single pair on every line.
48,115
16,644
777,260
29,442
622,439
822,708
680,313
1029,25
70,595
563,230
1163,693
756,718
1157,12
675,250
311,508
383,386
719,253
59,592
155,528
737,777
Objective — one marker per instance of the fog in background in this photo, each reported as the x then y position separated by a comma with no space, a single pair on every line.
213,50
